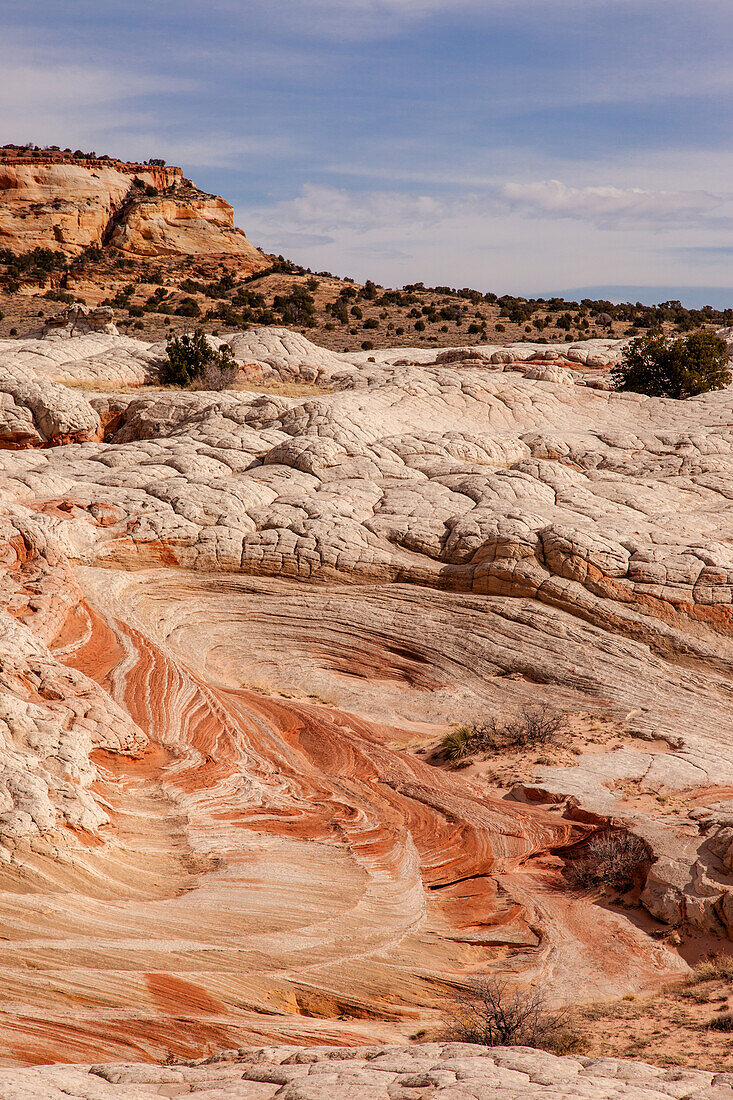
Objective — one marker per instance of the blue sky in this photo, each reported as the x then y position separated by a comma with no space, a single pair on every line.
517,145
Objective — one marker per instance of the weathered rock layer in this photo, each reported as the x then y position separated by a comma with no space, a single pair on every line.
212,829
430,1071
142,210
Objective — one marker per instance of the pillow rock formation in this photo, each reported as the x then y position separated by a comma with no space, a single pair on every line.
230,620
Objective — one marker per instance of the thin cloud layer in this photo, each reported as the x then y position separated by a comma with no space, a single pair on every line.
509,143
614,208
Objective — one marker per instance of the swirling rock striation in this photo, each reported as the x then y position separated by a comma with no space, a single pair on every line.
212,830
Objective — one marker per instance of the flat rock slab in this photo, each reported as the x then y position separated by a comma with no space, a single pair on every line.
451,1071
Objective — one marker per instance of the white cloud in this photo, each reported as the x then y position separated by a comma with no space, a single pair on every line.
518,237
332,213
328,210
614,208
45,98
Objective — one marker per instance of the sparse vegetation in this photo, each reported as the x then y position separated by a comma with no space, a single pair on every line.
717,969
34,265
723,1022
492,1014
659,366
532,727
194,360
615,858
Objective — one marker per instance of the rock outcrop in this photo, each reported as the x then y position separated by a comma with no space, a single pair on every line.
430,1071
185,223
143,210
228,621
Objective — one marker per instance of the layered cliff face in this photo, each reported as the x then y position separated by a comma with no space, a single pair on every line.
68,207
187,222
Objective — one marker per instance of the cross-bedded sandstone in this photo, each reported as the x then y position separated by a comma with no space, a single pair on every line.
190,863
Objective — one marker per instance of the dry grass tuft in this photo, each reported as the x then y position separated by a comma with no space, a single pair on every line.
717,969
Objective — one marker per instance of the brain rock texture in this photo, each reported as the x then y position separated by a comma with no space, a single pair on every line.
230,620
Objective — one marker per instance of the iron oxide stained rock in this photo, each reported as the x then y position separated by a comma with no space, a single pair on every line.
227,616
141,210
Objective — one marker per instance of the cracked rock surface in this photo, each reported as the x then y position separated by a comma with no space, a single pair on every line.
447,1071
228,619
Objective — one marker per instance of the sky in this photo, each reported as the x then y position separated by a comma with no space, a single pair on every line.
519,146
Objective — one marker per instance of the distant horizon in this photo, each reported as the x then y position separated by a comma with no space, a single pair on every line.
692,297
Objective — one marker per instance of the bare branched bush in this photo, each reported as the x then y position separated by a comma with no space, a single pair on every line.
492,1014
723,1022
217,376
532,727
613,859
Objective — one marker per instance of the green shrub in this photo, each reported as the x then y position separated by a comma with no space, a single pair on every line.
189,358
339,310
188,307
660,366
295,308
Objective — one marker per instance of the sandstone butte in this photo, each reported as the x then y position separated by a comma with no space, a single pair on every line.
68,206
228,623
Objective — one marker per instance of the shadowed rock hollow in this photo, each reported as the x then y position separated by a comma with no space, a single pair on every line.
228,619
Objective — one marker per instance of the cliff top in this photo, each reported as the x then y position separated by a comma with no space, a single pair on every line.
35,155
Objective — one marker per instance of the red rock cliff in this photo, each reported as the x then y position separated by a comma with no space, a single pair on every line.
69,206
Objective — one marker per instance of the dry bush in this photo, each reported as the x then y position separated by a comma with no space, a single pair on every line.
723,1022
610,859
492,1014
217,376
532,727
717,969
